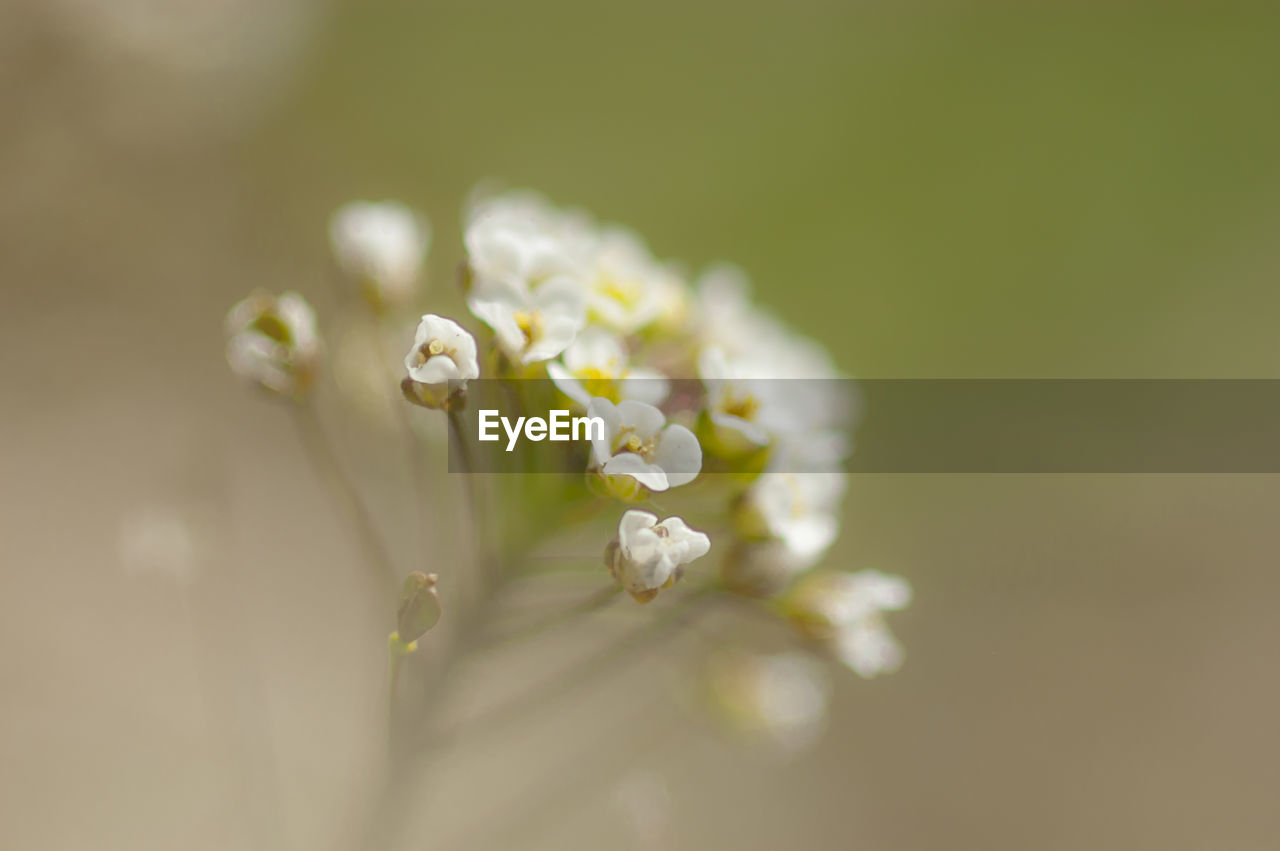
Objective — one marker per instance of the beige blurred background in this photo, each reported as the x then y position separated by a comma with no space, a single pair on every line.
1051,189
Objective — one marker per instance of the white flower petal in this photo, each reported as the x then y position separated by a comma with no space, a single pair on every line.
629,464
679,454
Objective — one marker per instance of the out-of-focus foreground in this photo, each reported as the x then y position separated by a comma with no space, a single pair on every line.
1070,190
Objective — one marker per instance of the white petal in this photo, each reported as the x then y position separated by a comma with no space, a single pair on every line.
498,315
596,349
602,445
630,464
633,520
558,332
679,454
644,420
437,370
566,383
645,385
686,544
743,430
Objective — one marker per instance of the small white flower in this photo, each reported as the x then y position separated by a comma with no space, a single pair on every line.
596,364
381,246
627,288
273,341
648,556
519,242
846,610
442,352
868,648
781,697
753,402
639,450
799,509
531,325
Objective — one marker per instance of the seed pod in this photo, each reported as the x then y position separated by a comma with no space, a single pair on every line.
419,606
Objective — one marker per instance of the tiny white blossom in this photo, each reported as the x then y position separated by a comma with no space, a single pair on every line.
799,509
596,364
766,386
846,610
531,325
649,555
780,697
519,242
628,289
753,402
640,450
868,648
272,340
381,246
442,352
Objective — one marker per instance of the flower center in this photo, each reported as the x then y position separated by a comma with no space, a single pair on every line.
530,324
272,326
427,351
742,407
632,442
626,293
598,382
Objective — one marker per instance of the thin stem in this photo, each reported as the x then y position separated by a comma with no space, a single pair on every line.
325,460
459,441
592,603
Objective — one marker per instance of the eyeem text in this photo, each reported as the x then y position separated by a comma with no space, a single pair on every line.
560,426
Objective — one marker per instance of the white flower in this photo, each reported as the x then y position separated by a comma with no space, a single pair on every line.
596,364
868,648
273,341
846,610
531,325
753,401
766,386
799,509
519,242
442,352
648,555
639,450
781,697
627,288
381,246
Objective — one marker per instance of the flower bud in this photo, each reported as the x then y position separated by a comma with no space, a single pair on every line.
441,361
419,606
380,247
648,555
272,340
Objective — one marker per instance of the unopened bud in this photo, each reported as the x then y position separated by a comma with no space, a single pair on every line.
419,606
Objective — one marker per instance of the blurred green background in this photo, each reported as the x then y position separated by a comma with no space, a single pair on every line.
935,189
931,189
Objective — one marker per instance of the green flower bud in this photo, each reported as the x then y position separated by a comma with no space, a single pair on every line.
419,606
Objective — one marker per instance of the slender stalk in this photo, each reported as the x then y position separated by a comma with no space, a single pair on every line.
325,460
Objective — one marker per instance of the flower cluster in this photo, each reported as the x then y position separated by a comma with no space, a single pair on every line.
706,400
